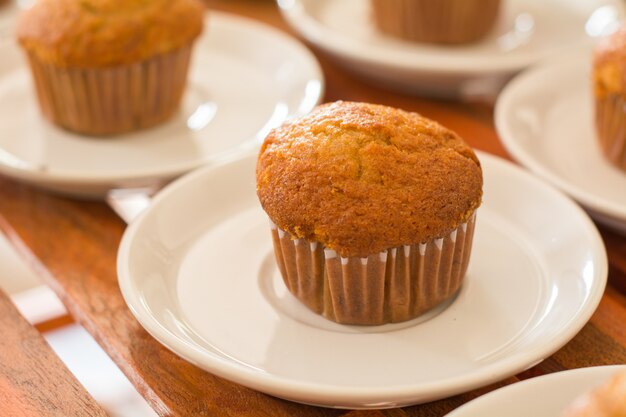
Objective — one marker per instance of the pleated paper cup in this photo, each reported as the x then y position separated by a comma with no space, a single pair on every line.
436,21
611,128
112,100
387,287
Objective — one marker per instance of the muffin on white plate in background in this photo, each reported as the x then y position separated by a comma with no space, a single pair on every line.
436,21
103,67
609,92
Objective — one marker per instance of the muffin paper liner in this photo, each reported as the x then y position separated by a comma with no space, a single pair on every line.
391,286
611,128
111,100
436,21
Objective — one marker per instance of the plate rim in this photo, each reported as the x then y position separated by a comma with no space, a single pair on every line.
503,107
556,376
325,395
321,36
111,180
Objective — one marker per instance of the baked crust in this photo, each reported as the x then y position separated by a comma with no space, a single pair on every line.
609,65
101,33
361,178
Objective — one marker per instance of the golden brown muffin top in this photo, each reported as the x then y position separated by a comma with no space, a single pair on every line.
361,178
608,400
609,64
100,33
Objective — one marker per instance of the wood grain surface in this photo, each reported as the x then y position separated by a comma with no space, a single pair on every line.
33,380
73,246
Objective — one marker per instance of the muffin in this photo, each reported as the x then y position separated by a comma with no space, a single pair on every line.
436,21
372,210
607,400
103,67
609,91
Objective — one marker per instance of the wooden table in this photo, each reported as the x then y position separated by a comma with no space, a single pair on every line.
73,246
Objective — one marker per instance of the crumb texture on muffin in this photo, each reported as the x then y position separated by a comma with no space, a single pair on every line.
609,65
100,33
362,178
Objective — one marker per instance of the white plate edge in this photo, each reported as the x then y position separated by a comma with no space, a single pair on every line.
301,391
503,105
556,376
321,36
61,179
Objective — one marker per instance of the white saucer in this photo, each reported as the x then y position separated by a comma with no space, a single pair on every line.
526,31
237,91
9,11
197,270
544,118
544,396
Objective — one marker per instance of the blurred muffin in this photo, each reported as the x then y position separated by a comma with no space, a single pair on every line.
372,210
436,21
609,89
103,67
607,400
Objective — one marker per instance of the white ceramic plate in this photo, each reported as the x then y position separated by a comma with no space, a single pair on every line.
9,10
526,31
237,91
197,270
544,118
544,396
